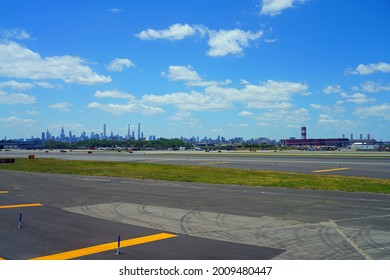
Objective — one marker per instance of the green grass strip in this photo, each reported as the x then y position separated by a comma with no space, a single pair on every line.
202,174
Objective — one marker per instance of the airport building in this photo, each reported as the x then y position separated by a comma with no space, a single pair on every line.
318,142
28,144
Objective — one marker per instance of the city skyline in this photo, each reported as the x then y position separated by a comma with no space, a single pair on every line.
137,134
261,68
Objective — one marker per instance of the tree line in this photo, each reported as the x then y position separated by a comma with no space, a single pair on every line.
159,144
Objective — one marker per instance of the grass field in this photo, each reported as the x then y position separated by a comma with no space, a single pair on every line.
202,175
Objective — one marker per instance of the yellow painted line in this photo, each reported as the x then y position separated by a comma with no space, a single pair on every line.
333,169
105,247
20,205
3,192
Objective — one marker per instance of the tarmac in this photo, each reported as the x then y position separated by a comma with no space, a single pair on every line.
344,163
82,217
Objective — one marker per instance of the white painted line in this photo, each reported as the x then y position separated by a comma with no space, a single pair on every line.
350,241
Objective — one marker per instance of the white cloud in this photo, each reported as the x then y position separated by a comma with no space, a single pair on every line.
332,89
363,69
16,85
180,116
173,33
381,111
44,85
19,62
315,106
185,118
226,42
62,106
266,95
16,33
270,94
189,76
15,121
275,7
32,112
120,109
120,64
115,10
221,42
329,122
331,110
194,101
16,98
357,98
182,73
114,94
245,114
270,41
371,87
132,106
24,86
284,118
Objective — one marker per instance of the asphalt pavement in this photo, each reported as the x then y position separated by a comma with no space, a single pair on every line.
345,163
81,217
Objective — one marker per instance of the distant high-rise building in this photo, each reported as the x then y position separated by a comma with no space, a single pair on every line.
139,131
62,135
128,132
104,131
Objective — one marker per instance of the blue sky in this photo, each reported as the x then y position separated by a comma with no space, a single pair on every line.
246,68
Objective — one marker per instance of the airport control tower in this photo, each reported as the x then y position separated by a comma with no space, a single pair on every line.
303,132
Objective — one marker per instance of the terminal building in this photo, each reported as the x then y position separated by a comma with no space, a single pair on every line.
28,144
318,142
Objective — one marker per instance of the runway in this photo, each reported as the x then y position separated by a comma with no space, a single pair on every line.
72,216
362,164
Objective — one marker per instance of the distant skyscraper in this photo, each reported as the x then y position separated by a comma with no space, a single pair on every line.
128,132
62,136
104,131
139,131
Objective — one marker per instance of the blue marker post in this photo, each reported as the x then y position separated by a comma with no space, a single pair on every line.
118,250
20,220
